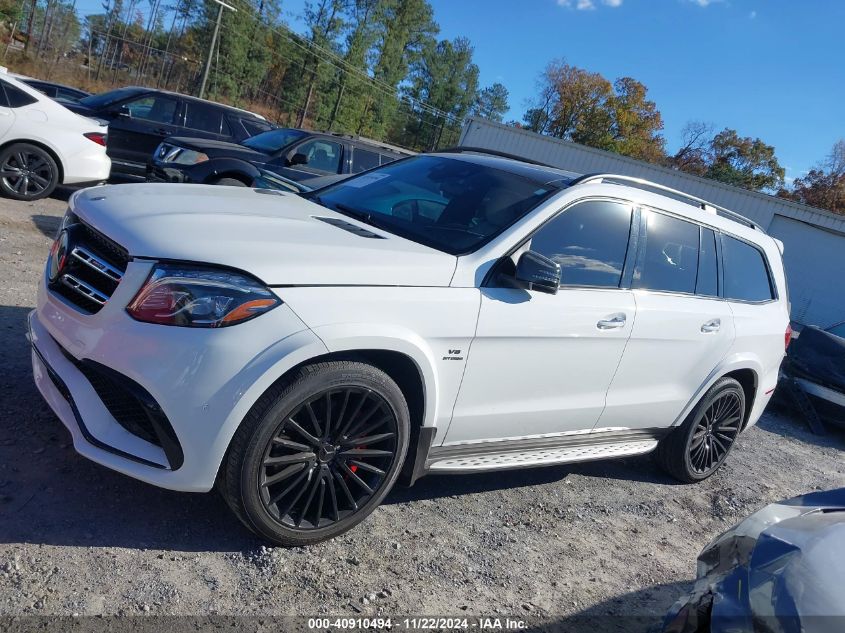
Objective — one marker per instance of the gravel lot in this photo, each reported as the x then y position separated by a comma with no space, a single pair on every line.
556,545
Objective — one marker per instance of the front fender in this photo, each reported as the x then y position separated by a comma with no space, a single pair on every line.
359,336
216,167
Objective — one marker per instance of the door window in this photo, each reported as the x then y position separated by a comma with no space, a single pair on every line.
589,241
13,97
746,273
323,156
156,108
670,260
363,160
204,117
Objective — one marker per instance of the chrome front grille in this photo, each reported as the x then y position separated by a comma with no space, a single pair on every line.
89,267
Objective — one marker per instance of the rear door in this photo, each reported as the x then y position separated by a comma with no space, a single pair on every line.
205,120
682,330
144,122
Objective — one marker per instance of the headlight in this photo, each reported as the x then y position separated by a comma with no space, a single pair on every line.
179,155
190,296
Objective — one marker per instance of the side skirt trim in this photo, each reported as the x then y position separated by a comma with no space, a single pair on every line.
525,453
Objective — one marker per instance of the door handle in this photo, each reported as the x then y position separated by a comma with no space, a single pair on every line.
711,326
612,322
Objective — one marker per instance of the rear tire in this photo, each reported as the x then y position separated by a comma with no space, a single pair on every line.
696,449
317,453
27,172
229,182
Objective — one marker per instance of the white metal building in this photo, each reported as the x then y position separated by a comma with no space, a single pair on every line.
814,240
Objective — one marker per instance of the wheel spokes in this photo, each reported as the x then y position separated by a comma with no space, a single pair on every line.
715,433
328,457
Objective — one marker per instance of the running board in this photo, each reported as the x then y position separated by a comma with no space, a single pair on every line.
509,454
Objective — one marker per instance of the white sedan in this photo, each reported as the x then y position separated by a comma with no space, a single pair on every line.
43,144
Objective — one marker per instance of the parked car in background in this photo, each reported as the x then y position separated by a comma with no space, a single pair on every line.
815,364
139,119
61,93
43,144
291,153
445,313
780,571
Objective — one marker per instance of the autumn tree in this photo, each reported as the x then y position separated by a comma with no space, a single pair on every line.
693,154
744,162
584,107
824,185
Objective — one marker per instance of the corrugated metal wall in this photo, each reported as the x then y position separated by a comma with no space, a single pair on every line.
808,269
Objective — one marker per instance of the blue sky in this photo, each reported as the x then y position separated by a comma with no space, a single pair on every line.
768,68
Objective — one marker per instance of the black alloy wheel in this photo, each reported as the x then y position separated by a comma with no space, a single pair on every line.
317,453
328,457
697,448
27,172
715,433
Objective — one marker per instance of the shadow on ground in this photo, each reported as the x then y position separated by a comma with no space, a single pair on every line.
640,611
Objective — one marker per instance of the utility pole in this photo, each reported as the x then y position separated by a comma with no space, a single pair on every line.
205,72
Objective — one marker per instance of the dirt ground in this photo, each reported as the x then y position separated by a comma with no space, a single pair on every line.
605,540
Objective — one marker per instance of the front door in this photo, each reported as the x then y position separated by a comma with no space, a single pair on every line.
540,364
683,330
144,122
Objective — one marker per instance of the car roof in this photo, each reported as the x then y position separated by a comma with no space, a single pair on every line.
33,80
232,109
359,140
541,174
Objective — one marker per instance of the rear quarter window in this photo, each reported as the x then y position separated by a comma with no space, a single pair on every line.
746,272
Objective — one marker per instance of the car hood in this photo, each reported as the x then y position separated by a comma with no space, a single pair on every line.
216,149
279,237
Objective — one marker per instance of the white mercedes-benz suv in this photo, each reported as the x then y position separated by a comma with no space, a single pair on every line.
446,313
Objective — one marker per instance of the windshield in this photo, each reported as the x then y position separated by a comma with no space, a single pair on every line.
95,102
447,203
274,140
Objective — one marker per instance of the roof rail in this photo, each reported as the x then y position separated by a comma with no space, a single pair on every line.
704,205
492,152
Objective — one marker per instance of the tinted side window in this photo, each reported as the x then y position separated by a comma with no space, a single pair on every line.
387,158
15,98
746,274
707,283
323,156
203,116
254,127
670,260
363,160
589,241
157,108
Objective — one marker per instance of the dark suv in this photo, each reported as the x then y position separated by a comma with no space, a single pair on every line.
259,161
141,118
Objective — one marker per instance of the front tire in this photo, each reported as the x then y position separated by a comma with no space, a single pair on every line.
696,449
317,453
229,182
27,172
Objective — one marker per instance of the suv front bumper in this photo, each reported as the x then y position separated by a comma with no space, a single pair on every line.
203,380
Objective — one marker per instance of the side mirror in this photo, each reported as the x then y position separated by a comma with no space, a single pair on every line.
538,272
298,159
121,111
